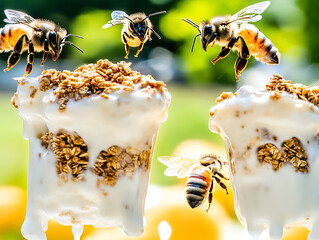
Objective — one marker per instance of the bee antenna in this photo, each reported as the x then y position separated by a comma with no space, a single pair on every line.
194,41
191,23
72,35
156,34
153,14
72,44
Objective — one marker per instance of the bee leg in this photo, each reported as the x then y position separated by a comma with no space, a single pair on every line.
139,49
225,50
242,59
28,68
16,54
240,65
149,36
221,184
46,51
127,47
210,195
127,50
222,176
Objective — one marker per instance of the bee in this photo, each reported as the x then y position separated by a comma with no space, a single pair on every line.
137,29
235,33
201,174
23,32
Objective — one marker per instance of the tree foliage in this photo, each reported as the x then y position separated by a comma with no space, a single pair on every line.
291,28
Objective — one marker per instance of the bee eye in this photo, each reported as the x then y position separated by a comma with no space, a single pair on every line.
53,38
208,29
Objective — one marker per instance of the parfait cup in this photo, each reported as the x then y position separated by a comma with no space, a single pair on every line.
91,137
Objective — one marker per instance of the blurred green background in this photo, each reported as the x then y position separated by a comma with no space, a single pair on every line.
191,78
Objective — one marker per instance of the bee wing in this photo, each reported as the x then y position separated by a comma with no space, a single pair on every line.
14,16
178,166
118,17
250,13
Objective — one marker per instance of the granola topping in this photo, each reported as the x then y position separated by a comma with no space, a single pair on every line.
278,85
101,78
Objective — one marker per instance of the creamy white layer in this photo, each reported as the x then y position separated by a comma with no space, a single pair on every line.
264,197
125,119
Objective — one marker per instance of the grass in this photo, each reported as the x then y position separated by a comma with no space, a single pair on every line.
188,117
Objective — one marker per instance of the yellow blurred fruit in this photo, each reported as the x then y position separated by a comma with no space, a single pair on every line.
57,231
13,201
197,148
295,233
107,233
12,208
183,221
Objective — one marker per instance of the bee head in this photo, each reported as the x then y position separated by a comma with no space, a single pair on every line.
54,44
207,160
207,34
139,29
57,39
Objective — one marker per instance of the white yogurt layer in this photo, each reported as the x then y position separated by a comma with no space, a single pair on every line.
125,119
264,197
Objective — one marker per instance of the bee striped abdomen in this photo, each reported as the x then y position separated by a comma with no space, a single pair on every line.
197,186
9,35
259,45
131,40
3,39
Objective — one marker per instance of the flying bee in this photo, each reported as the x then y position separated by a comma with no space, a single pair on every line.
23,32
235,33
201,174
137,29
